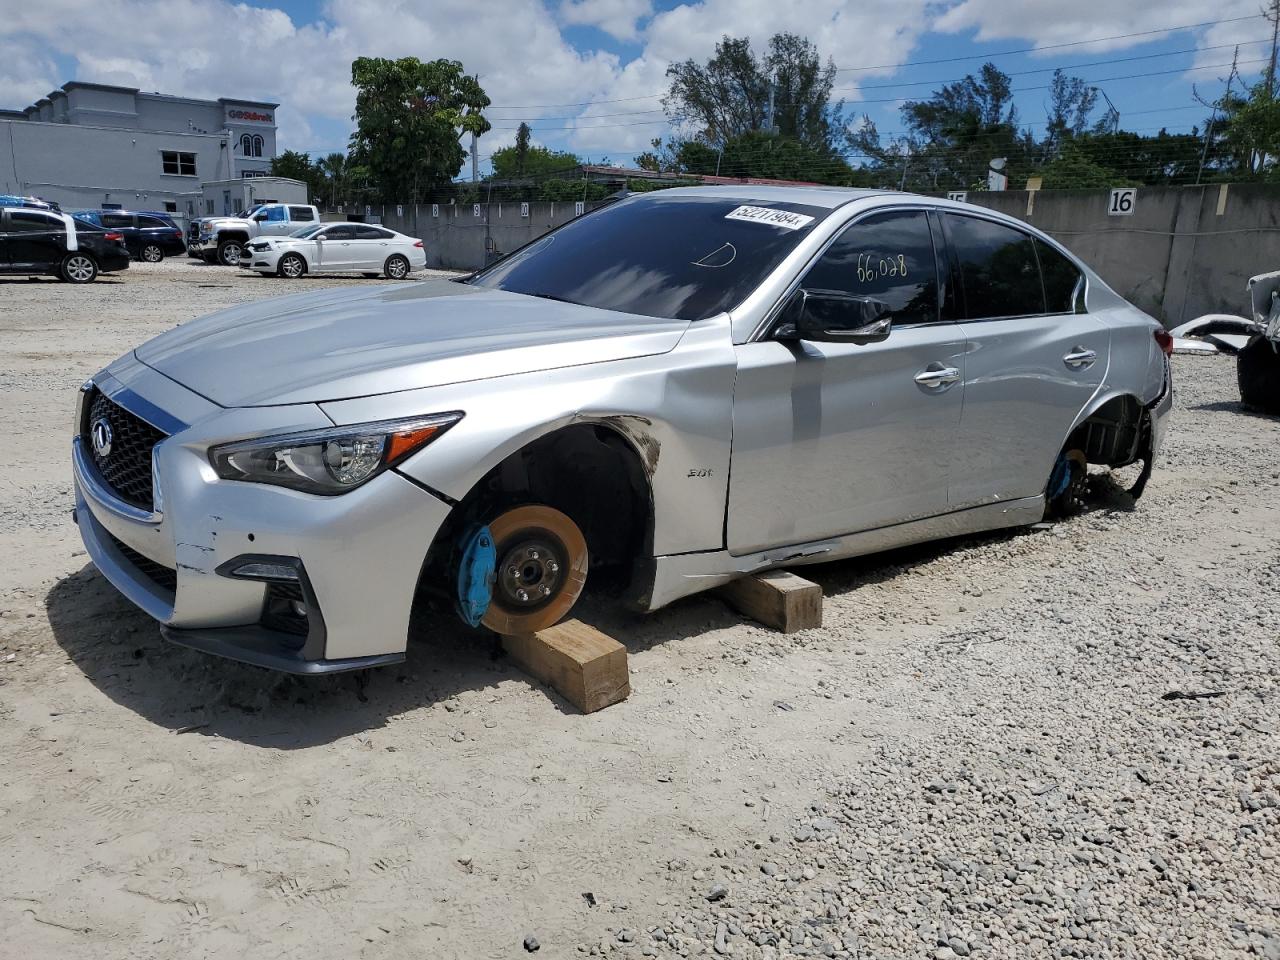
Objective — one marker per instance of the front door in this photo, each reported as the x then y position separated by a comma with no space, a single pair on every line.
35,239
337,248
1033,359
834,438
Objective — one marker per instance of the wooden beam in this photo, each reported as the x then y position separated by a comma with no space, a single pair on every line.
777,599
586,667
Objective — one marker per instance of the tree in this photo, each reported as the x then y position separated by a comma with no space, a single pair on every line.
1071,101
523,133
729,95
334,167
758,153
409,116
298,166
1252,130
524,160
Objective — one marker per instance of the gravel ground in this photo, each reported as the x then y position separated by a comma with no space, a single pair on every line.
1036,744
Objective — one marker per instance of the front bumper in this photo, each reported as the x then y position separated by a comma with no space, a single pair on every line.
359,554
264,261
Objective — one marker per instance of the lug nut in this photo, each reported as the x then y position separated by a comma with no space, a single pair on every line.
522,595
553,567
544,590
513,572
533,554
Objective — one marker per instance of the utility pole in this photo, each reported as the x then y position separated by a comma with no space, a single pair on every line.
1272,14
906,162
475,161
1208,132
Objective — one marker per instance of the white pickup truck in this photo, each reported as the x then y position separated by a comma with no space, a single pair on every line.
223,238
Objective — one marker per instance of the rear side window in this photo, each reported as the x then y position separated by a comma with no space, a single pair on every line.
1063,281
152,223
888,257
371,233
117,220
999,273
301,214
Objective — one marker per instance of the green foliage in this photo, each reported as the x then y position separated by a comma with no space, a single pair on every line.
757,153
298,166
536,162
729,95
1251,133
557,189
1073,170
408,118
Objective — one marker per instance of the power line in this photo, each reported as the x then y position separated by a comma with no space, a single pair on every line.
918,63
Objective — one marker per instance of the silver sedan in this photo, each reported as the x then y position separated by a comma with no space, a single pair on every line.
671,391
336,248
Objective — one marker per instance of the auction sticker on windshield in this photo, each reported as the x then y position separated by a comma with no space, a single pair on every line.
778,218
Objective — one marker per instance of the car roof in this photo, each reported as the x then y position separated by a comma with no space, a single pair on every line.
813,196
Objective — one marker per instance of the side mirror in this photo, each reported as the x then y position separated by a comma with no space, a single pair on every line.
835,317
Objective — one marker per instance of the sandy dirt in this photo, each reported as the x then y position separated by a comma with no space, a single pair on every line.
155,802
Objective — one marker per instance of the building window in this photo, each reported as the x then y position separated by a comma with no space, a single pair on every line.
177,163
246,146
170,207
257,146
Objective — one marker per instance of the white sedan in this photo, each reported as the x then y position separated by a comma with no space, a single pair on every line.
336,248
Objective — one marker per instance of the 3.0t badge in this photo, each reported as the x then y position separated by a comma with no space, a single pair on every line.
102,437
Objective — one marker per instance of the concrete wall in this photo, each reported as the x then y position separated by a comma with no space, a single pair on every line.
1184,252
455,238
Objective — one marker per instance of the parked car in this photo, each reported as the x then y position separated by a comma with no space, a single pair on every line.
669,392
34,241
223,239
149,235
336,248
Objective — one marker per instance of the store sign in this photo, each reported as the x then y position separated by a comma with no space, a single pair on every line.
252,116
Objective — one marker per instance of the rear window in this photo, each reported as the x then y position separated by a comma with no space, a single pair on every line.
677,256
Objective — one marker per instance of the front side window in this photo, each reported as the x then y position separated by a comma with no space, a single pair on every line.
999,273
276,214
677,256
307,232
301,214
1063,281
339,233
177,163
887,257
22,221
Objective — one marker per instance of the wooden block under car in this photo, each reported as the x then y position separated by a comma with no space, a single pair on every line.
586,667
777,599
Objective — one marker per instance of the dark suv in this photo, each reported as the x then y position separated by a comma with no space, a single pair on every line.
38,241
149,235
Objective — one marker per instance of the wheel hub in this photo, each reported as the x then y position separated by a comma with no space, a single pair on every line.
530,573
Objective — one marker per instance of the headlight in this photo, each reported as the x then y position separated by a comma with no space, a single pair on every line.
332,460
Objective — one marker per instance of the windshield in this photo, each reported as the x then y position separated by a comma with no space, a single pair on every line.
680,256
310,230
248,214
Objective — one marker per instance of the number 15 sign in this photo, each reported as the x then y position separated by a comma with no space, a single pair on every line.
1123,200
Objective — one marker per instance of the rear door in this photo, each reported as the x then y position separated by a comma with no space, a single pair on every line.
1033,358
372,246
36,240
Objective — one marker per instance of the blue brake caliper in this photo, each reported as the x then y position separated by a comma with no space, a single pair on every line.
476,575
1060,477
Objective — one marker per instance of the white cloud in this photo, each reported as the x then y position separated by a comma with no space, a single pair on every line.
618,18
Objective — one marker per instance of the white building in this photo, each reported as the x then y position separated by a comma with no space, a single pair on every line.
90,145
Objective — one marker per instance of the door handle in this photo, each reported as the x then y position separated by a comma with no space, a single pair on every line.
1080,358
936,375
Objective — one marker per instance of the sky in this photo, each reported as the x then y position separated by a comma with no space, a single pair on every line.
587,75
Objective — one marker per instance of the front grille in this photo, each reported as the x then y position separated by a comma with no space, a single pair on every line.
193,230
126,468
278,611
157,573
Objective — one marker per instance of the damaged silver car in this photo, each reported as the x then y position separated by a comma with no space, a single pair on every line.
671,391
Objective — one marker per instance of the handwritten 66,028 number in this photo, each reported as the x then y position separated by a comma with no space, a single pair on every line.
873,267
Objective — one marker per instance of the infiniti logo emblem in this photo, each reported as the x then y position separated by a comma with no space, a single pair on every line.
102,437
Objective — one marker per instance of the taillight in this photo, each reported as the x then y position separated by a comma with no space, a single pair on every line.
178,234
117,237
1165,339
418,244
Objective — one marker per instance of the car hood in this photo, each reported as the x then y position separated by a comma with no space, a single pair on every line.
341,343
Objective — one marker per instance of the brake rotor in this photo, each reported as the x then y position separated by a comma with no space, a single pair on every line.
540,572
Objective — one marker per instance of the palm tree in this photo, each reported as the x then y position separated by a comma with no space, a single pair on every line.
334,167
